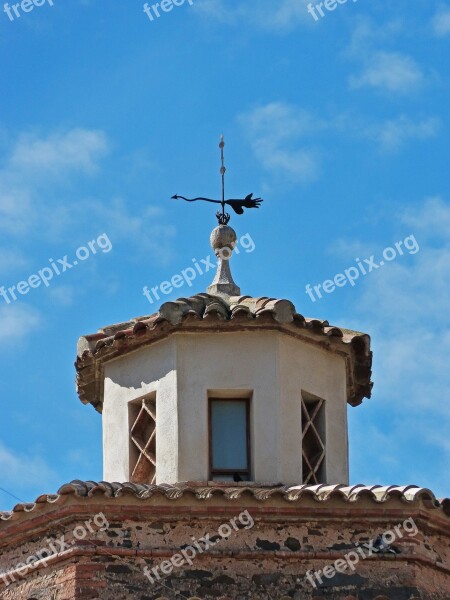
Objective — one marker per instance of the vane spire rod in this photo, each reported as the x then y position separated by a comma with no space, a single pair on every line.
222,172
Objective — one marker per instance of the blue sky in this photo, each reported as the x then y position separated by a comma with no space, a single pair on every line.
341,124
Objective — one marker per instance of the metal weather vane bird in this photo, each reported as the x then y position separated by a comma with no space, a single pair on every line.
236,204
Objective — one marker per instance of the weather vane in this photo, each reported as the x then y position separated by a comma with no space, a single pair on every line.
237,205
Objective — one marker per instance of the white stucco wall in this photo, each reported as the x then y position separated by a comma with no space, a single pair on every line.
240,362
304,368
129,378
184,369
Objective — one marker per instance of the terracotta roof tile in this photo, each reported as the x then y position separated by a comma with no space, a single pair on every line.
323,493
204,312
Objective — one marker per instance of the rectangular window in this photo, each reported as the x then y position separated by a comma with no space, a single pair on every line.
313,439
229,439
142,423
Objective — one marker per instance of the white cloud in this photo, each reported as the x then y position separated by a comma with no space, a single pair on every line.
59,153
431,219
11,260
285,138
382,69
282,16
216,10
389,71
36,167
15,204
17,322
33,164
274,131
286,15
366,35
140,230
347,249
392,134
441,22
20,471
63,295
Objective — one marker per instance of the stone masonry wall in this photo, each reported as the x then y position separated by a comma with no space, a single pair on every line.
267,561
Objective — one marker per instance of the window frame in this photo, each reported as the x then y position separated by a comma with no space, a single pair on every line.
317,422
136,454
218,472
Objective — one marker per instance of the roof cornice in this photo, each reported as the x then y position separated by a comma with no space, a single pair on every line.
204,313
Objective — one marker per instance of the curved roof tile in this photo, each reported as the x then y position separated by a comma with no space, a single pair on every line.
321,493
217,313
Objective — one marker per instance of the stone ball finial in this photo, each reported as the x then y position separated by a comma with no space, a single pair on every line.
223,240
223,237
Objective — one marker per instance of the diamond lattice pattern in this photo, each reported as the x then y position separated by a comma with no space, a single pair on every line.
313,446
143,436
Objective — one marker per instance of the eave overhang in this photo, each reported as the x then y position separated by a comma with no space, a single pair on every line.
204,313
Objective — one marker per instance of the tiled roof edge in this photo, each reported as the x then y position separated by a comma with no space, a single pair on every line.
205,310
203,491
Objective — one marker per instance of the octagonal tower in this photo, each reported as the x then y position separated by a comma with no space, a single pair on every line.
225,387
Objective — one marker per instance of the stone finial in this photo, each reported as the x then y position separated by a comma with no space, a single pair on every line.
223,240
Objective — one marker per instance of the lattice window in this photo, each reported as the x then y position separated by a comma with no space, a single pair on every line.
143,441
313,440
